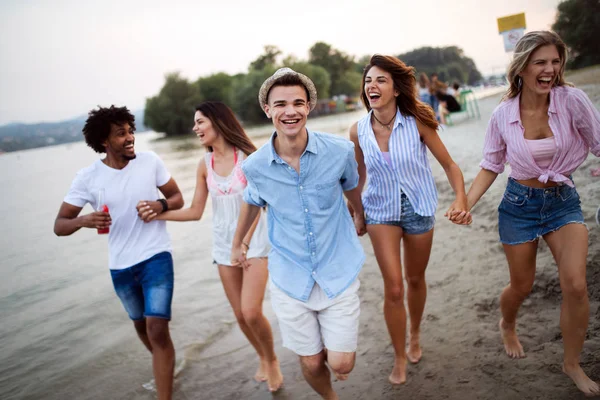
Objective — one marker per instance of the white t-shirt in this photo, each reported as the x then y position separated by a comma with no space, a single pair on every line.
130,240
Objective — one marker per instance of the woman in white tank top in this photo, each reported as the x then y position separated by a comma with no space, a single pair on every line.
220,175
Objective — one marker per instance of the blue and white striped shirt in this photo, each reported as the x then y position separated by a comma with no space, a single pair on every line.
410,171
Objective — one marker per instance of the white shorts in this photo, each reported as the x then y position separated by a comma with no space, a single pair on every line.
321,322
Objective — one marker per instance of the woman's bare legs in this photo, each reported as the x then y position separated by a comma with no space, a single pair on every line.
386,244
417,249
569,246
245,291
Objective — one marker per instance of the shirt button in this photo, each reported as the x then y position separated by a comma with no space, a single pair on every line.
306,210
301,188
310,233
314,253
314,272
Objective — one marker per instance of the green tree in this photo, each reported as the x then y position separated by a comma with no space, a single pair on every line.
245,102
449,62
215,87
350,83
360,65
318,75
578,24
335,62
171,111
267,59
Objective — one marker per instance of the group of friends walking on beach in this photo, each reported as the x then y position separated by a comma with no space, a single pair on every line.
280,219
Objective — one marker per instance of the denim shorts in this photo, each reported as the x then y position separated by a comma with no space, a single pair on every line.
146,289
411,222
526,214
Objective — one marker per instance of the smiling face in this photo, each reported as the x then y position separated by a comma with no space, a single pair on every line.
541,72
379,88
288,108
120,142
203,128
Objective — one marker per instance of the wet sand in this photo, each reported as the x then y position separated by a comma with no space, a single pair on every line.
463,356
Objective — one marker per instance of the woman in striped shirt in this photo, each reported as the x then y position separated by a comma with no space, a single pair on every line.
400,200
544,129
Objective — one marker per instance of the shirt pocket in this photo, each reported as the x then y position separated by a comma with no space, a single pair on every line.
328,193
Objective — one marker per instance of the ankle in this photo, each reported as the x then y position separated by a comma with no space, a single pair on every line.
401,358
268,359
508,325
571,365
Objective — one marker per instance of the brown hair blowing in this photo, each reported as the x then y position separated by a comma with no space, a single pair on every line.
406,85
225,122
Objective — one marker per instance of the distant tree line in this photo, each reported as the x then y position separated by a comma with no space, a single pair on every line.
578,24
333,72
450,63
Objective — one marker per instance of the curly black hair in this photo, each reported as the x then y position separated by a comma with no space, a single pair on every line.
97,126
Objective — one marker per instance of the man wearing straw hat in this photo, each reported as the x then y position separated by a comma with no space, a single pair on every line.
316,255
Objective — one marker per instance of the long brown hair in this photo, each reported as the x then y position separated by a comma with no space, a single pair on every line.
405,83
525,47
225,122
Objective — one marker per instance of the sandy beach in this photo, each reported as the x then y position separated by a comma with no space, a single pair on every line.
463,357
66,335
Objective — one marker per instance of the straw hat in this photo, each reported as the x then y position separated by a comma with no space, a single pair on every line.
268,84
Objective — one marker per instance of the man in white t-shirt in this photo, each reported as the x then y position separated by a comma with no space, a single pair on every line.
141,265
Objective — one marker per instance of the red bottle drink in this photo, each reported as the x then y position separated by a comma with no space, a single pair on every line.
102,207
103,231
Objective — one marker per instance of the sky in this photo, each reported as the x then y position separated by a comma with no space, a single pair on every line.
61,58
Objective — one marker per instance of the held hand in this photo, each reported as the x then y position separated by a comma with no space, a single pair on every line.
359,224
148,210
238,256
97,220
458,212
461,218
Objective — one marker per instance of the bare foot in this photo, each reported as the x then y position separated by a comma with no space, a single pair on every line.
261,371
398,375
583,382
274,376
414,353
512,346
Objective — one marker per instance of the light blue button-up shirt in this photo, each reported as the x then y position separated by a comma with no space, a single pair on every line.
312,235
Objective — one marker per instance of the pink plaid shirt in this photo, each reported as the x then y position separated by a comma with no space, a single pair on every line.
574,121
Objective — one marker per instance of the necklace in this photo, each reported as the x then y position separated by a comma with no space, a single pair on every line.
388,125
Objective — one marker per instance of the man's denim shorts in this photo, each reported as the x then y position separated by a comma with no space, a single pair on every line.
146,289
526,214
410,222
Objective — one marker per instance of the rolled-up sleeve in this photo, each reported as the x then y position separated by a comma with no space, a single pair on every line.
587,120
251,194
349,179
494,148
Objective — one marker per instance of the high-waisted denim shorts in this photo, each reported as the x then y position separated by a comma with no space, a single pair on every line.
526,214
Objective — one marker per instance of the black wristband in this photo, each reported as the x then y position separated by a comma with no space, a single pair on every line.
164,203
